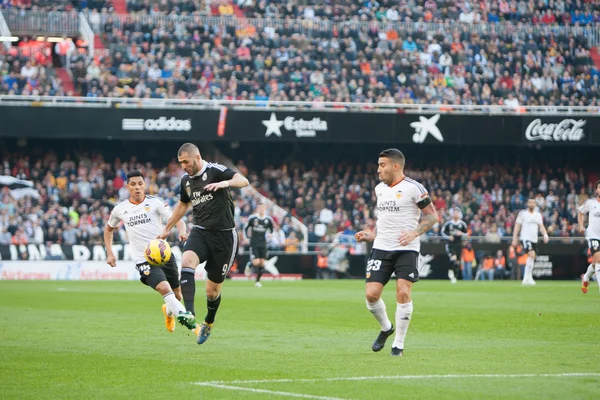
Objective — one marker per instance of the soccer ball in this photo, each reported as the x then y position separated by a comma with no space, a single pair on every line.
157,252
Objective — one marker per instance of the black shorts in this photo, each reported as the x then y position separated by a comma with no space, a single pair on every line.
529,246
152,276
454,249
258,252
594,245
217,248
382,264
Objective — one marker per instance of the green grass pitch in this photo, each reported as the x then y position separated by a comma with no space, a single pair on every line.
498,340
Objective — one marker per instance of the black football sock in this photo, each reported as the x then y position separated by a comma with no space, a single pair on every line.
188,288
259,273
212,306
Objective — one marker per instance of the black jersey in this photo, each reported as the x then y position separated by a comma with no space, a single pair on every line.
211,210
451,227
258,227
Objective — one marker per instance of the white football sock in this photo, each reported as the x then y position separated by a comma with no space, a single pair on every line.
528,275
174,306
451,274
598,275
403,315
589,273
379,312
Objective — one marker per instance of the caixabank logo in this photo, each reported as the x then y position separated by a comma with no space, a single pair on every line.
160,124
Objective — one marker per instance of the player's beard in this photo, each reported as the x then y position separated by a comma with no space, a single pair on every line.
195,168
531,208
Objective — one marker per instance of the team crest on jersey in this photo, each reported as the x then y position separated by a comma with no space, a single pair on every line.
147,207
399,194
204,176
368,275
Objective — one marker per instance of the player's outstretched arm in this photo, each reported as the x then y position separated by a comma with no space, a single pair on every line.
366,235
108,242
180,209
237,181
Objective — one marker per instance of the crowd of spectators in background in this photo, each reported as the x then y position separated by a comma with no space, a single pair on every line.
373,60
77,194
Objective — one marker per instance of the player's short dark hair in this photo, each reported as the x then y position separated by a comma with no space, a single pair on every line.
133,174
393,154
187,148
597,183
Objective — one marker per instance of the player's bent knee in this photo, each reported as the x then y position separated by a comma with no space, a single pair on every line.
373,296
163,287
190,260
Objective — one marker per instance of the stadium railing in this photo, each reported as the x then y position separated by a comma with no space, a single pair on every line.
42,22
67,23
262,105
306,26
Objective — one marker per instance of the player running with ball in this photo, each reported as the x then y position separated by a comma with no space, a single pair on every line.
144,218
206,189
400,203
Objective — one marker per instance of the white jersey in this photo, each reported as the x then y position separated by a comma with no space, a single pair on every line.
592,207
143,222
397,212
530,225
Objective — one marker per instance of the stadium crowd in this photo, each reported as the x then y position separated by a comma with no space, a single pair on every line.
27,70
368,63
77,194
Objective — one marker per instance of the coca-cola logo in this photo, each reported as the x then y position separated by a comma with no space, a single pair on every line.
567,130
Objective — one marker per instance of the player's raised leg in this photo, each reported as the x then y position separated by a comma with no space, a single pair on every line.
376,306
156,278
404,309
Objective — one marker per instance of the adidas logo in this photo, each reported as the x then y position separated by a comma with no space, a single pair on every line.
160,124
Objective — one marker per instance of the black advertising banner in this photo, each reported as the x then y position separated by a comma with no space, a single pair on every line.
267,126
107,123
309,126
566,130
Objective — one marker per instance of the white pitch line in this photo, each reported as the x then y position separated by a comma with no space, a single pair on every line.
288,394
398,377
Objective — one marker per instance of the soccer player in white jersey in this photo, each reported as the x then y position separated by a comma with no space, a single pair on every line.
592,234
529,223
144,218
400,203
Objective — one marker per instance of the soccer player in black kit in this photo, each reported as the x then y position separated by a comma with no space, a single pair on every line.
256,229
213,238
454,231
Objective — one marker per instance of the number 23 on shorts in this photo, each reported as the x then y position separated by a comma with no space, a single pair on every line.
373,265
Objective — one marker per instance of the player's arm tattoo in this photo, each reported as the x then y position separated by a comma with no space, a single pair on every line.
429,219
